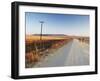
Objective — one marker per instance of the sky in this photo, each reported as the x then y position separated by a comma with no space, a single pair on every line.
68,24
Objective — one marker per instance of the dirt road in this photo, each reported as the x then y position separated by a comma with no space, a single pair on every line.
72,54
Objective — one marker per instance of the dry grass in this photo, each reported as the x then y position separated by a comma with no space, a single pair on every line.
34,55
31,57
31,38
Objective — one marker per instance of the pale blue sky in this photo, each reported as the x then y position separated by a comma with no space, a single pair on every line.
57,24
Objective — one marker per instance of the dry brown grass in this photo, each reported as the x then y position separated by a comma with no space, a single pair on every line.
34,55
31,57
31,38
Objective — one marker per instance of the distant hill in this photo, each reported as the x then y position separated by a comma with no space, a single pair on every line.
50,35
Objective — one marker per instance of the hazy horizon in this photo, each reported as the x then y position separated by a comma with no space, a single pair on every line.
67,24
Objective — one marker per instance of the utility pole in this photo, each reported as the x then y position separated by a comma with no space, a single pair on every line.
41,22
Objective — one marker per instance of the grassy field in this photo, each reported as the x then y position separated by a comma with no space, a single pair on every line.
31,38
37,49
